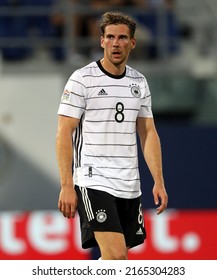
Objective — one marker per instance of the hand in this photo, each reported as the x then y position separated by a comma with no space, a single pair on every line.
67,203
160,196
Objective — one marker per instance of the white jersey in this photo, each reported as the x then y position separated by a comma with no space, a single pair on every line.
105,142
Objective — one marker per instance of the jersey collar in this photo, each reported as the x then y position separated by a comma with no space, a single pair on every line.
109,74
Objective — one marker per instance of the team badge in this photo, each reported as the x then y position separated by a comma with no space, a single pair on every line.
101,216
135,90
65,96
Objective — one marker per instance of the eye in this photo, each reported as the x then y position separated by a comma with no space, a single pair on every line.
110,37
123,37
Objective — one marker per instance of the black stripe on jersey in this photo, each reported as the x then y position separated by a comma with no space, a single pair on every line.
88,67
109,86
145,106
101,156
79,95
78,142
147,96
125,109
102,75
94,76
108,121
76,81
122,145
72,105
76,139
109,132
135,78
114,96
117,168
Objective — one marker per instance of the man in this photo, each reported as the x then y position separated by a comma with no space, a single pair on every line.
103,105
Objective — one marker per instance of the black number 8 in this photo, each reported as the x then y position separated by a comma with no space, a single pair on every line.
119,116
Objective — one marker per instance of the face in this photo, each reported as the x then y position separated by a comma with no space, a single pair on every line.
117,44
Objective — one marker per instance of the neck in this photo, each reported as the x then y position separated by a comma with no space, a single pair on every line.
114,69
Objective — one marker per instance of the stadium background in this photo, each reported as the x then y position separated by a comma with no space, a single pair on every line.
177,52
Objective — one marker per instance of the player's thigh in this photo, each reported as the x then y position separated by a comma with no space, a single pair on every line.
112,244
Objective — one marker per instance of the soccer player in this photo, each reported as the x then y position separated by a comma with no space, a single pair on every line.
103,107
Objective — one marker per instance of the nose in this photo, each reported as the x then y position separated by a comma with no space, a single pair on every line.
115,42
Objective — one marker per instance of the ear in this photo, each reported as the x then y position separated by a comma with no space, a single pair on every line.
133,43
102,41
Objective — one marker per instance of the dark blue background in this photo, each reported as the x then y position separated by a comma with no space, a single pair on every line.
189,164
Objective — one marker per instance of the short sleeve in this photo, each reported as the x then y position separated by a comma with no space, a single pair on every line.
146,105
72,102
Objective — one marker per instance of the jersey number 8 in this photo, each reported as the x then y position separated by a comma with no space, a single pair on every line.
119,116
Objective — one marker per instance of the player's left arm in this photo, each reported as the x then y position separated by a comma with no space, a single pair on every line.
151,148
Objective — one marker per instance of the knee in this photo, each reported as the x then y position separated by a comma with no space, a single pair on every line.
113,254
119,256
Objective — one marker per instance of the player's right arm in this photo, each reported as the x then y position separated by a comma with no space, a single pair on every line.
67,202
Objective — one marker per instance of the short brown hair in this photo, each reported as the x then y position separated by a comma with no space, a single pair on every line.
118,18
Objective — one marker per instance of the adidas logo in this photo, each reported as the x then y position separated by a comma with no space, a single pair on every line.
102,92
139,232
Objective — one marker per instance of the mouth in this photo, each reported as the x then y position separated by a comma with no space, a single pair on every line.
116,53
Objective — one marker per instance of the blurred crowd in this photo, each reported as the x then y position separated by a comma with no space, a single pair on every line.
74,28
